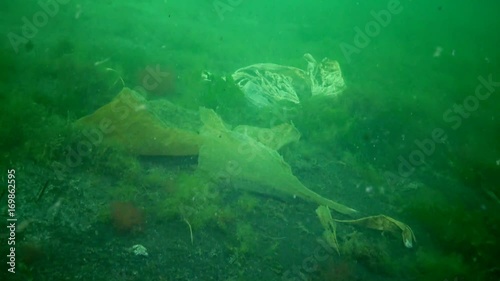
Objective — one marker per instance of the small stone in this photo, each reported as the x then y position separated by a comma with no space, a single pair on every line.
139,250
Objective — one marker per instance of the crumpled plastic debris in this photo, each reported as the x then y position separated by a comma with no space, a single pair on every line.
134,124
268,84
385,223
326,76
330,233
241,158
380,222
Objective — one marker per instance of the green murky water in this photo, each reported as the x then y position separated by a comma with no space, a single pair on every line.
414,136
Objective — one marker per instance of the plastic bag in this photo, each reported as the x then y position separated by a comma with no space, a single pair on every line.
268,84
